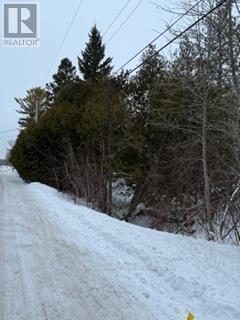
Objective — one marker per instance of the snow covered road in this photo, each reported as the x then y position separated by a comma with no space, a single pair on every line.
63,261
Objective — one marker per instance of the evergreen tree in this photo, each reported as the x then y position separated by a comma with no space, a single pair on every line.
32,106
65,75
152,72
153,68
92,64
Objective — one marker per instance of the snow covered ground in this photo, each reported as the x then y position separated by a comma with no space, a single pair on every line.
63,261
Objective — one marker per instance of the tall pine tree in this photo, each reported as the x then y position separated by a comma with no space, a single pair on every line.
66,74
92,64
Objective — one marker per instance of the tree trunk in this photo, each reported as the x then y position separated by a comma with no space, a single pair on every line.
205,170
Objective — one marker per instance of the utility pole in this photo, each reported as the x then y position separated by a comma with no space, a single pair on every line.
37,112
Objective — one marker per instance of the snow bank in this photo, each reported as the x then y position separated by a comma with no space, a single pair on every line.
155,275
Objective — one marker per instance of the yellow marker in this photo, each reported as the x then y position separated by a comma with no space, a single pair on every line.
191,316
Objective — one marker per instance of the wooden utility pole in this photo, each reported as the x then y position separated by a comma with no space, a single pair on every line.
37,112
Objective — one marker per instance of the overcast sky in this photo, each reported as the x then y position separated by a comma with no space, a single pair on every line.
21,69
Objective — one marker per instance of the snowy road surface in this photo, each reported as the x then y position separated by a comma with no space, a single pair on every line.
63,261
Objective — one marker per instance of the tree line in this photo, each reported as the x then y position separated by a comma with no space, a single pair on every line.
170,131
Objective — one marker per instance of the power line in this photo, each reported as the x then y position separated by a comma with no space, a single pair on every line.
125,21
117,16
64,39
8,131
160,35
179,35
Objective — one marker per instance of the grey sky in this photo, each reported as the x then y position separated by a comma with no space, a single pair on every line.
23,68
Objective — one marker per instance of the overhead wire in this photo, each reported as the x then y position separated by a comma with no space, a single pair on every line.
160,35
8,131
178,35
116,18
125,21
64,39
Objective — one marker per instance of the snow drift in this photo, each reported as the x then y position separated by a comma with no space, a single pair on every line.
63,261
